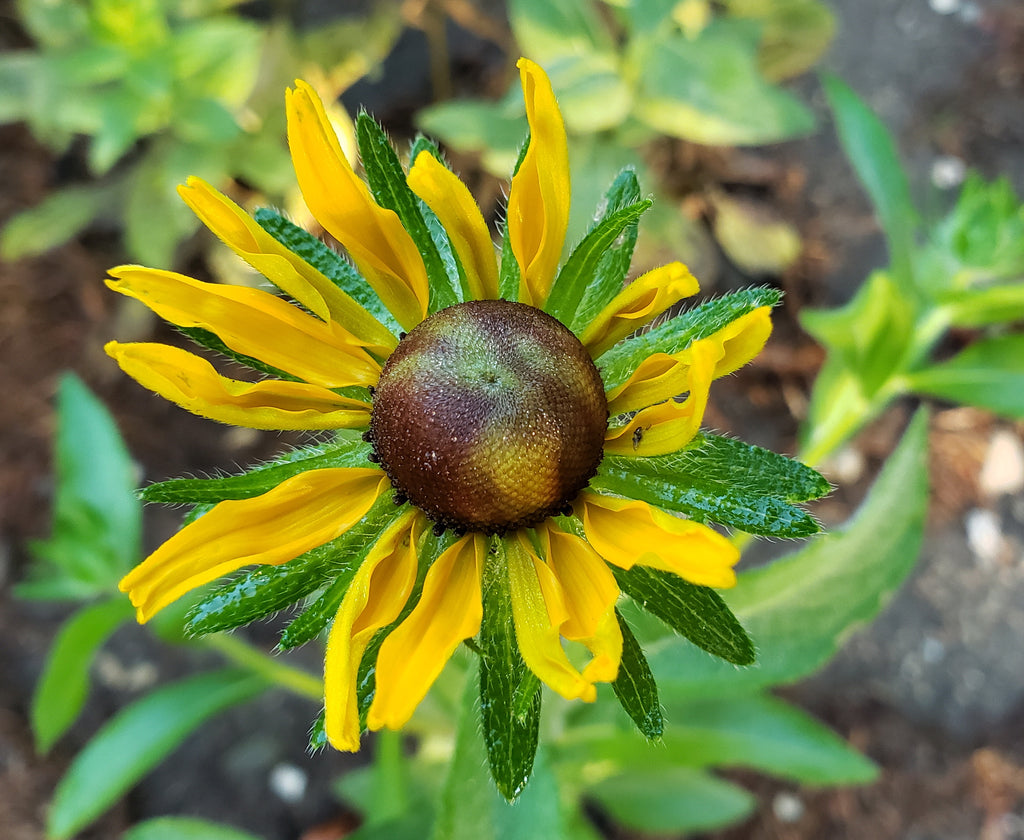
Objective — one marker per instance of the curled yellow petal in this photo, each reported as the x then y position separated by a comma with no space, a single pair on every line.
590,592
742,339
669,426
253,323
412,656
284,268
342,203
539,612
301,513
453,204
374,599
626,532
538,201
191,382
657,378
639,303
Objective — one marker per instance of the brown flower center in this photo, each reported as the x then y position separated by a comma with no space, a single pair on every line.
489,416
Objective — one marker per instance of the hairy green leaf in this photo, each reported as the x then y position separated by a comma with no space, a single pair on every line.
696,612
511,723
386,179
635,686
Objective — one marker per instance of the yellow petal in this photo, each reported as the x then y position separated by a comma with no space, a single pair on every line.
742,339
657,378
640,302
538,612
661,376
301,513
374,599
627,532
538,201
444,193
668,427
284,268
342,203
412,656
253,323
191,382
590,592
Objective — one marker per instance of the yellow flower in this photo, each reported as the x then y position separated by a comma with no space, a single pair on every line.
489,418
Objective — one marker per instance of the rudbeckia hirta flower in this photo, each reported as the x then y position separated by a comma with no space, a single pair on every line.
505,459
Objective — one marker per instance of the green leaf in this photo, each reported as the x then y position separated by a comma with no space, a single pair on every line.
52,222
580,269
871,150
697,613
762,733
64,683
155,219
18,68
981,307
708,89
135,740
988,374
613,266
469,807
345,452
670,800
635,686
97,519
795,33
801,607
493,130
510,696
386,179
184,828
330,263
550,30
676,483
679,332
592,95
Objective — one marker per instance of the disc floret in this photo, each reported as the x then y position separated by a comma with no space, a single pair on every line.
489,416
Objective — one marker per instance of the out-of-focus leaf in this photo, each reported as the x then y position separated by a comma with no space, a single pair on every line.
988,374
592,94
871,150
709,90
670,800
184,828
135,740
495,130
757,241
53,221
53,24
795,33
550,30
97,518
64,683
801,607
17,70
974,307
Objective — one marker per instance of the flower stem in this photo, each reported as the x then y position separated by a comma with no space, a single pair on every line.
242,653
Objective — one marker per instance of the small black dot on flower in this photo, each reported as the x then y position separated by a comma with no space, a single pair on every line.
373,457
367,436
400,498
439,529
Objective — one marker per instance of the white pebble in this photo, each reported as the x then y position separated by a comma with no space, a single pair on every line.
288,782
787,807
932,650
944,7
984,536
1002,473
948,171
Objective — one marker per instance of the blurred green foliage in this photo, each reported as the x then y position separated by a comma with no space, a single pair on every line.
963,271
628,73
163,89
